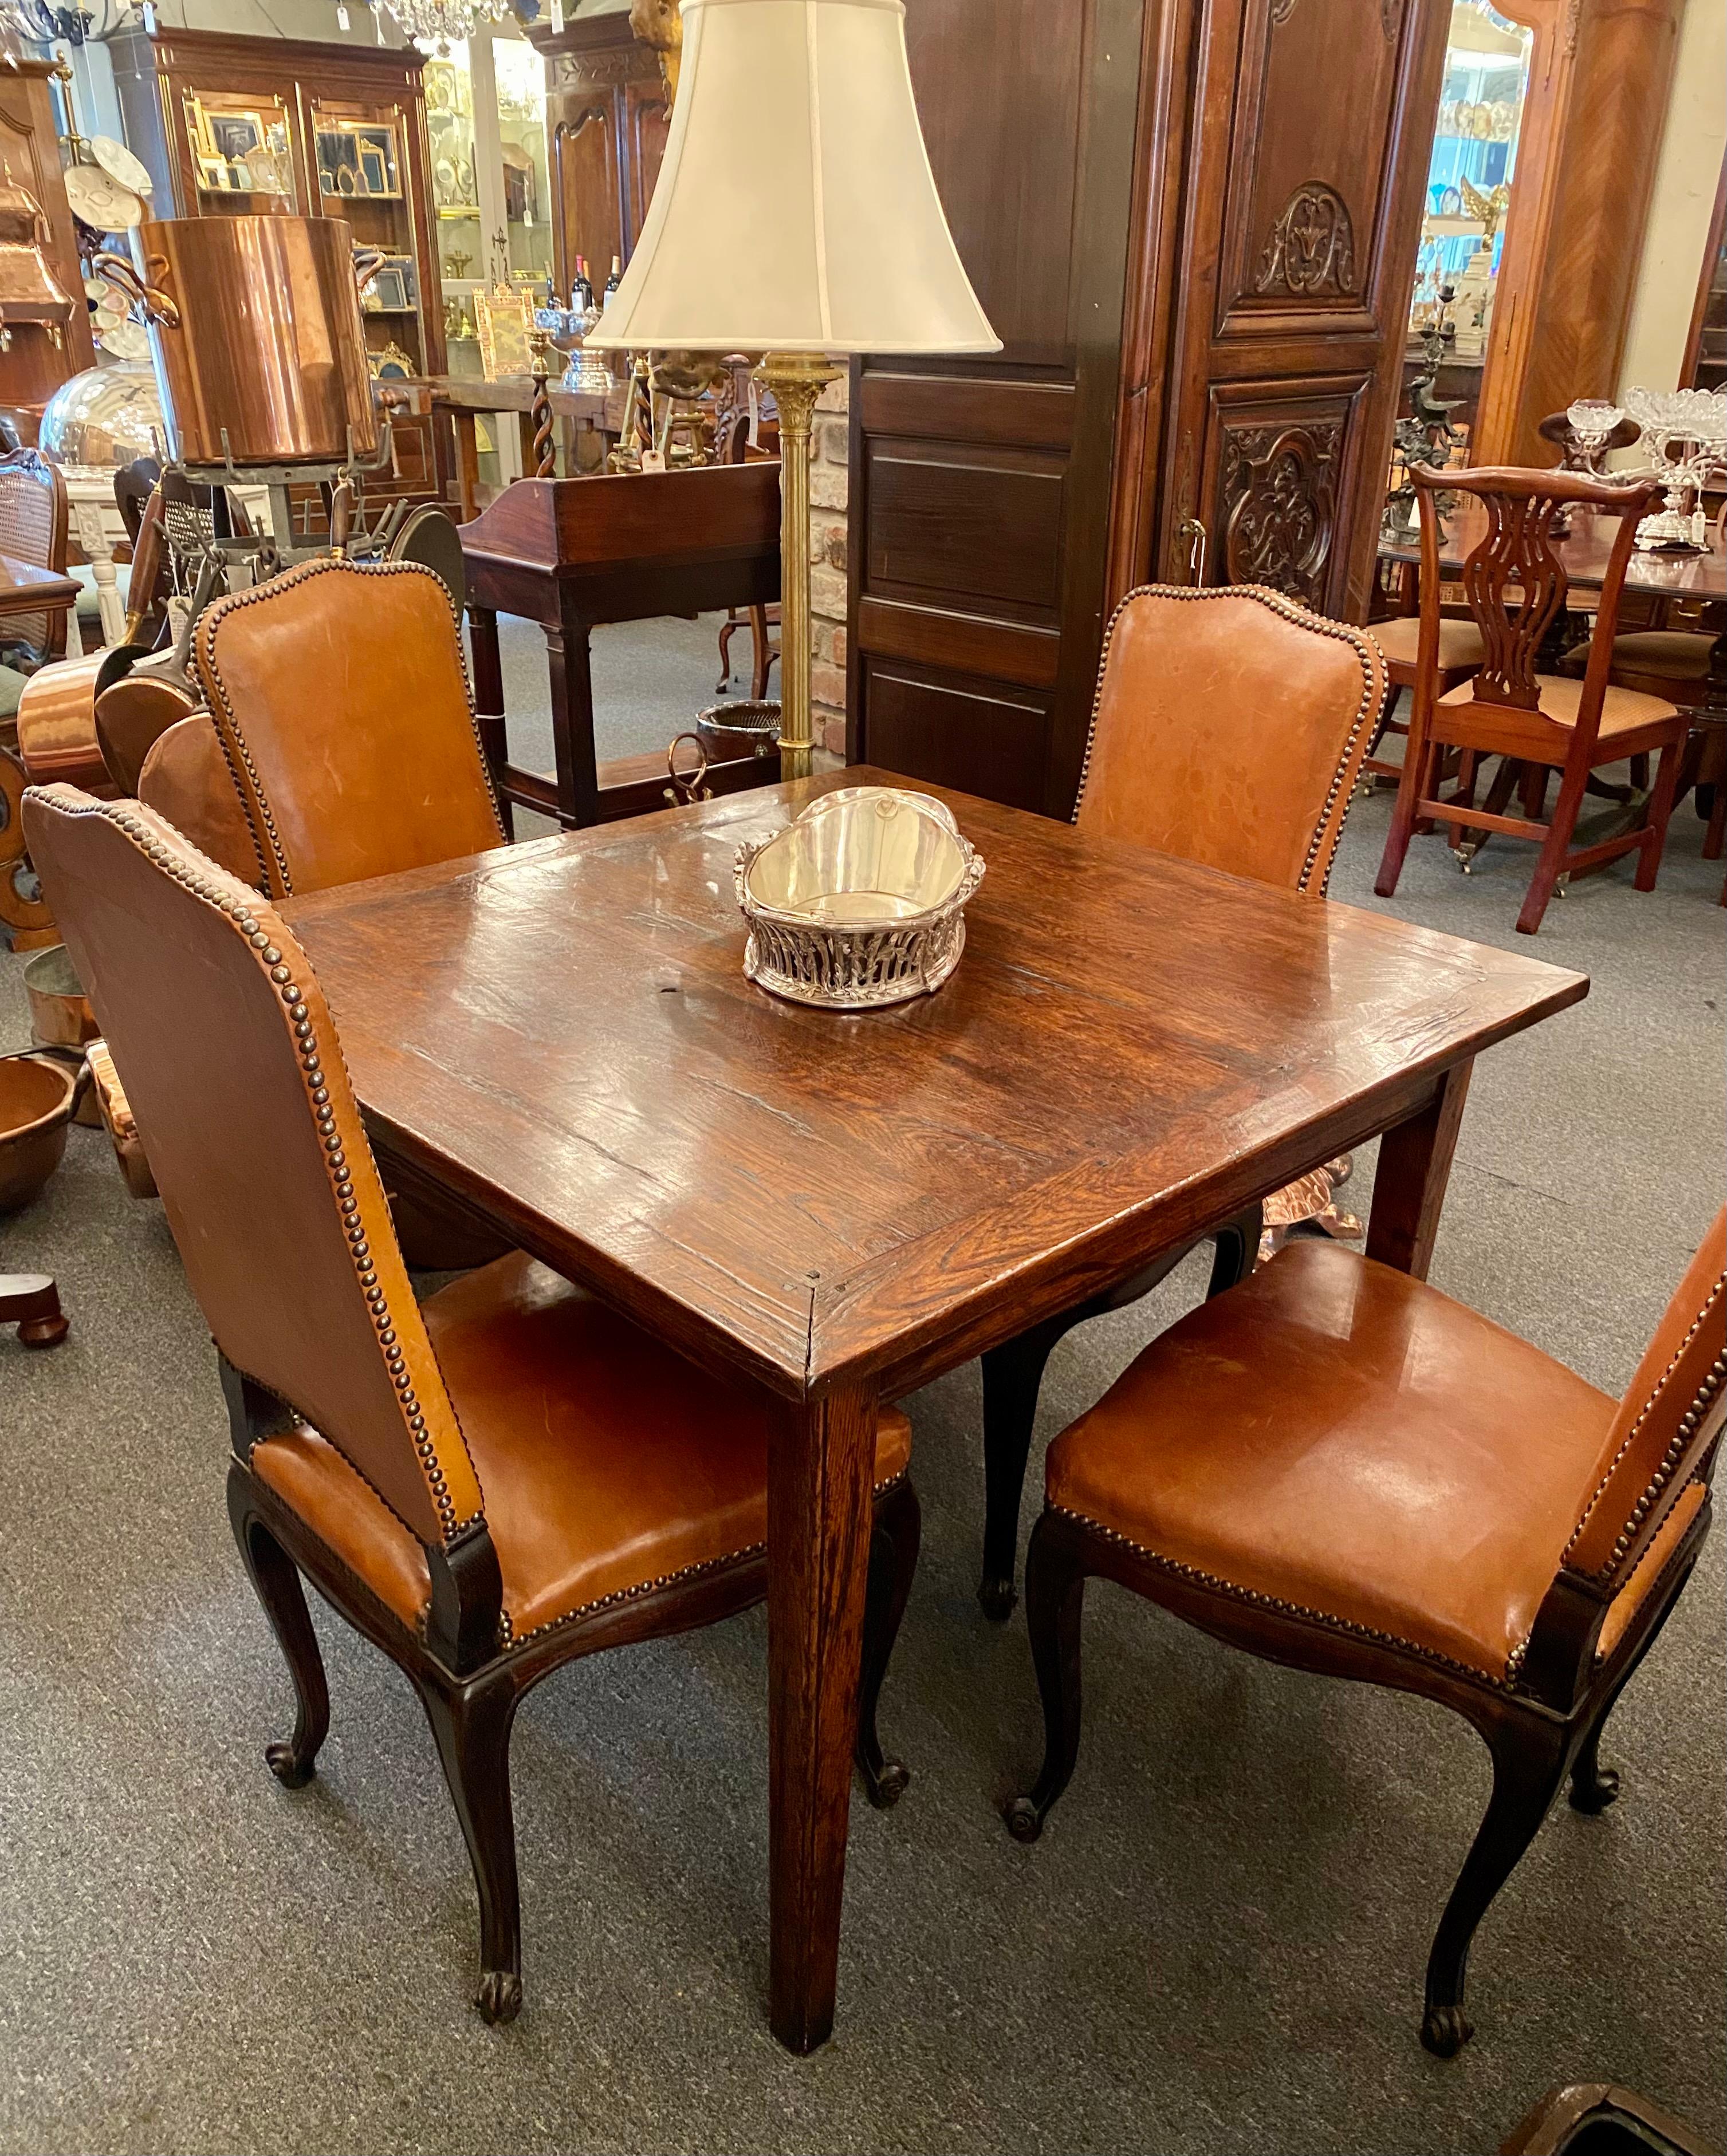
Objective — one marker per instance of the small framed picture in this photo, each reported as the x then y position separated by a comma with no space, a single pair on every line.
212,174
389,291
236,135
375,151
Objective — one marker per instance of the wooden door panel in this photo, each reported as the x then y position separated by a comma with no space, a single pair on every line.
976,735
648,118
584,149
968,521
1277,460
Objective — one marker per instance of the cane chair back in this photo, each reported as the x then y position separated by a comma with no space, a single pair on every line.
1229,727
231,1063
341,697
33,528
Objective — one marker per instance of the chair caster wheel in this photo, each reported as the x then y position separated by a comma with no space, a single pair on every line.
1024,1820
996,1598
1596,1795
499,1998
292,1772
1445,2030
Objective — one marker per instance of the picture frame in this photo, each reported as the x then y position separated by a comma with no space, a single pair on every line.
236,135
389,291
375,155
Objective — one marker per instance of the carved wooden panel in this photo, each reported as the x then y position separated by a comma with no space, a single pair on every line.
1310,151
1278,470
590,216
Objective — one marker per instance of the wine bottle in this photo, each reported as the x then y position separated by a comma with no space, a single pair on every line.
612,282
581,294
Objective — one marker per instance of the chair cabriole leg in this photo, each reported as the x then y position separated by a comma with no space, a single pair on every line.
893,1560
1012,1374
1055,1604
276,1580
472,1725
1530,1757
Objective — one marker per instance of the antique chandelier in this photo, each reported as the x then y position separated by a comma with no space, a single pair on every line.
442,24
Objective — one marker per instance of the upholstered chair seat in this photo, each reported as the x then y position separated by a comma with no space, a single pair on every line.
1623,710
1337,1467
609,1466
1399,639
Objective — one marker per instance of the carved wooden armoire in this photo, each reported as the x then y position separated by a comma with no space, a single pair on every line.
607,116
1193,224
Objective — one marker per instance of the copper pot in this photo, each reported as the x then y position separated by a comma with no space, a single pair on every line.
37,1099
60,1015
255,332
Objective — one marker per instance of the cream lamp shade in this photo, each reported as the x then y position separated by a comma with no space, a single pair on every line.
795,210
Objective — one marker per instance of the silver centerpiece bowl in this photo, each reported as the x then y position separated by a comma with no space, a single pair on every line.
859,902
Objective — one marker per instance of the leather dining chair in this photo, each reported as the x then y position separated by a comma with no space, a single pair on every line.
1228,728
1337,1467
340,697
487,1486
1535,721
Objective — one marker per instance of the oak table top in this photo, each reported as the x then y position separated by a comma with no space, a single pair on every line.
1585,555
840,1207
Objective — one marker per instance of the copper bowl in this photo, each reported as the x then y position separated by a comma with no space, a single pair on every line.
37,1099
60,1015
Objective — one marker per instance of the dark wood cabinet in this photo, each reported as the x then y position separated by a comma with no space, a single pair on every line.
1194,229
342,133
607,116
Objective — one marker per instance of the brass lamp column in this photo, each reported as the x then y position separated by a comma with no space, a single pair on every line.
797,379
794,132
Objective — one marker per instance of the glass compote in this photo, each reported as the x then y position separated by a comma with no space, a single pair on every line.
1592,420
1685,431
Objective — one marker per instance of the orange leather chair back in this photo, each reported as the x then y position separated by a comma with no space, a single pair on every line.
224,1046
186,778
340,694
1672,1413
1229,727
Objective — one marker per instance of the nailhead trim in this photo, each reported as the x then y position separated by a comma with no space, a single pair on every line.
293,1000
509,1640
1258,1601
212,620
1687,1427
1291,609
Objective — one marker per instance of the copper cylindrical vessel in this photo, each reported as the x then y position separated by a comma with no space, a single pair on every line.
57,725
255,332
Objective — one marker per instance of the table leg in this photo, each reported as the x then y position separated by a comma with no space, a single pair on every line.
821,1462
467,466
98,552
1409,1188
488,667
572,717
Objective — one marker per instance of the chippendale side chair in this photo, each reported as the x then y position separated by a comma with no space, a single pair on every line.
1229,727
1532,719
1337,1467
487,1486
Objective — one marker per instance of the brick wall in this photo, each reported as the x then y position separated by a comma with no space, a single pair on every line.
827,569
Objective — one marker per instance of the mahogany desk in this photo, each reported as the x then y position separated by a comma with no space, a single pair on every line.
571,553
839,1208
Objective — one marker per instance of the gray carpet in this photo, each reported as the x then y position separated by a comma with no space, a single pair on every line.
1217,1946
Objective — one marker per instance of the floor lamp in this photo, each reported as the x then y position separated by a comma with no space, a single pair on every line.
795,216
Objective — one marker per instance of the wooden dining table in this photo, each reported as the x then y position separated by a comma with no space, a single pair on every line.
836,1209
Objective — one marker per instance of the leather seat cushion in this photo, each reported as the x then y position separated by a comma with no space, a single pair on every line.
1623,710
606,1460
1337,1436
1460,642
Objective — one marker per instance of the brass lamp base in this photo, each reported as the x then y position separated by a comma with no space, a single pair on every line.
797,379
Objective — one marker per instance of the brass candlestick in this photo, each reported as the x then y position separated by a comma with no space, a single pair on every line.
797,379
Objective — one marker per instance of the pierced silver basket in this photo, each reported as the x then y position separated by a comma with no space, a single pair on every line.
859,902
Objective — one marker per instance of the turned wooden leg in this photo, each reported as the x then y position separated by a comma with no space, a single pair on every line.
488,666
276,1579
31,1302
472,1726
1550,862
1529,1760
819,1460
1055,1604
893,1561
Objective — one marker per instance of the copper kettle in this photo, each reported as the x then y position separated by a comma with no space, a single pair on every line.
30,291
256,336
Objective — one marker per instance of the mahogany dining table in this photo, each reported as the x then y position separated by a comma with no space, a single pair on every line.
837,1208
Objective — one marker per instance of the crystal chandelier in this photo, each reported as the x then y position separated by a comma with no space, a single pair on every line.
442,24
